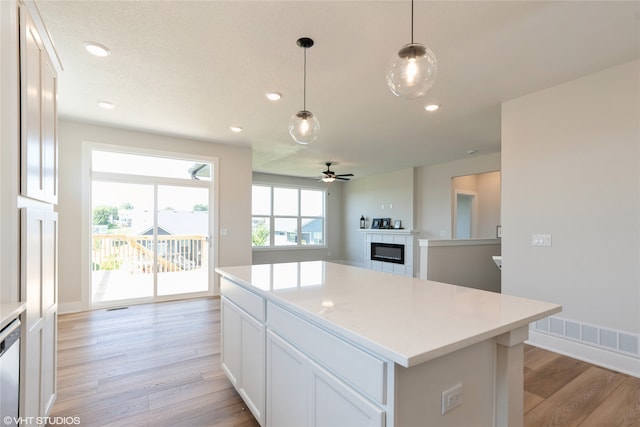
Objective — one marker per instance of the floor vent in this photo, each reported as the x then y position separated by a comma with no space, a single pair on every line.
117,308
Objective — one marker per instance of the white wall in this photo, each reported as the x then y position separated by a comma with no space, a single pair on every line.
9,154
571,169
433,192
333,250
234,197
367,196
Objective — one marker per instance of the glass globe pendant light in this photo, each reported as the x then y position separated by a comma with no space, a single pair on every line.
412,70
304,126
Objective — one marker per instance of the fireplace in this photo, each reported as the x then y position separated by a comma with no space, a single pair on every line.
387,252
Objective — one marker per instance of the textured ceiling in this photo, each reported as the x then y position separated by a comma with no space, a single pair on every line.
194,68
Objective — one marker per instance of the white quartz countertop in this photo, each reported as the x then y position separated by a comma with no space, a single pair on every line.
10,311
406,320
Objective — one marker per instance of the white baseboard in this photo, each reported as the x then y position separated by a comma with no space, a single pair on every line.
607,359
69,307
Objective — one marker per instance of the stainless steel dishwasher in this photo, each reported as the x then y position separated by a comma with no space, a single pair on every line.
10,373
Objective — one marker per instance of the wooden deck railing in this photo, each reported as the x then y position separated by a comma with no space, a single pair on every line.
136,253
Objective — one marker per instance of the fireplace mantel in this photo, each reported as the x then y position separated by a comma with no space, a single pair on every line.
388,231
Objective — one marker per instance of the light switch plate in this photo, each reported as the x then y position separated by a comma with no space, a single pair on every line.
541,240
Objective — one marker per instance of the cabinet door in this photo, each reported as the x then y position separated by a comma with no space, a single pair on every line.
287,384
243,356
253,365
335,404
231,355
38,116
39,290
49,169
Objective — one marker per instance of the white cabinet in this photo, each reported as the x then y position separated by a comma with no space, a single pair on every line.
38,86
39,228
302,393
333,403
243,355
293,373
287,384
37,68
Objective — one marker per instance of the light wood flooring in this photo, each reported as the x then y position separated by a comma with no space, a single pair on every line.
159,365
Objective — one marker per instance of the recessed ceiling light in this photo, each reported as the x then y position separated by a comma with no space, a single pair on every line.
472,152
96,49
432,107
236,129
107,105
273,96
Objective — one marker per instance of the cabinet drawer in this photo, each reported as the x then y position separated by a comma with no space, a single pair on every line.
362,370
246,300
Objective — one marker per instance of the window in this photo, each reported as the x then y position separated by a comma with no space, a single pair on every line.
287,216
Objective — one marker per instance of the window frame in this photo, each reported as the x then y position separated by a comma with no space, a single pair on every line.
271,217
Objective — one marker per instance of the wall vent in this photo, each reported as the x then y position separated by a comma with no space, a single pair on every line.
605,338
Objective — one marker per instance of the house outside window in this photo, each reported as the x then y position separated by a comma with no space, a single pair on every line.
287,216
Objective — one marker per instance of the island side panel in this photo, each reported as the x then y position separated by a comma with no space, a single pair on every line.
510,377
418,390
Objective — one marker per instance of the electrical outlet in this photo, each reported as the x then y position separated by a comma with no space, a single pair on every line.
451,398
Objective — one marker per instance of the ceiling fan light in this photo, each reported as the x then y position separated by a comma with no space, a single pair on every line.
411,71
328,179
304,127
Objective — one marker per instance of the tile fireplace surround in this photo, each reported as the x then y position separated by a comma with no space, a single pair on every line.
408,238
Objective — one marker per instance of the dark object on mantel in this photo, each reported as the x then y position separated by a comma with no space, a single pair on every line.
380,223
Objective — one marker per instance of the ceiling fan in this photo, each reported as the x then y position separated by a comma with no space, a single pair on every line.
330,176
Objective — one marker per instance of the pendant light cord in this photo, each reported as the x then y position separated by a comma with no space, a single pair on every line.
304,82
411,21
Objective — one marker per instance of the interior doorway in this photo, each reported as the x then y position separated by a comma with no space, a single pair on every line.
465,212
151,229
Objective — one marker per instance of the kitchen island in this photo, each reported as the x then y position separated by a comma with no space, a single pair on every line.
318,343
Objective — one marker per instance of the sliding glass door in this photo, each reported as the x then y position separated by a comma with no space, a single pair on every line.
150,234
182,240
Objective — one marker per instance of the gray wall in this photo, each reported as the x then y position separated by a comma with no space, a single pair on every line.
486,186
388,195
333,251
571,168
461,262
433,192
420,198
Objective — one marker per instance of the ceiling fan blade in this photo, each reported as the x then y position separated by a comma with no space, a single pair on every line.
345,174
341,178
